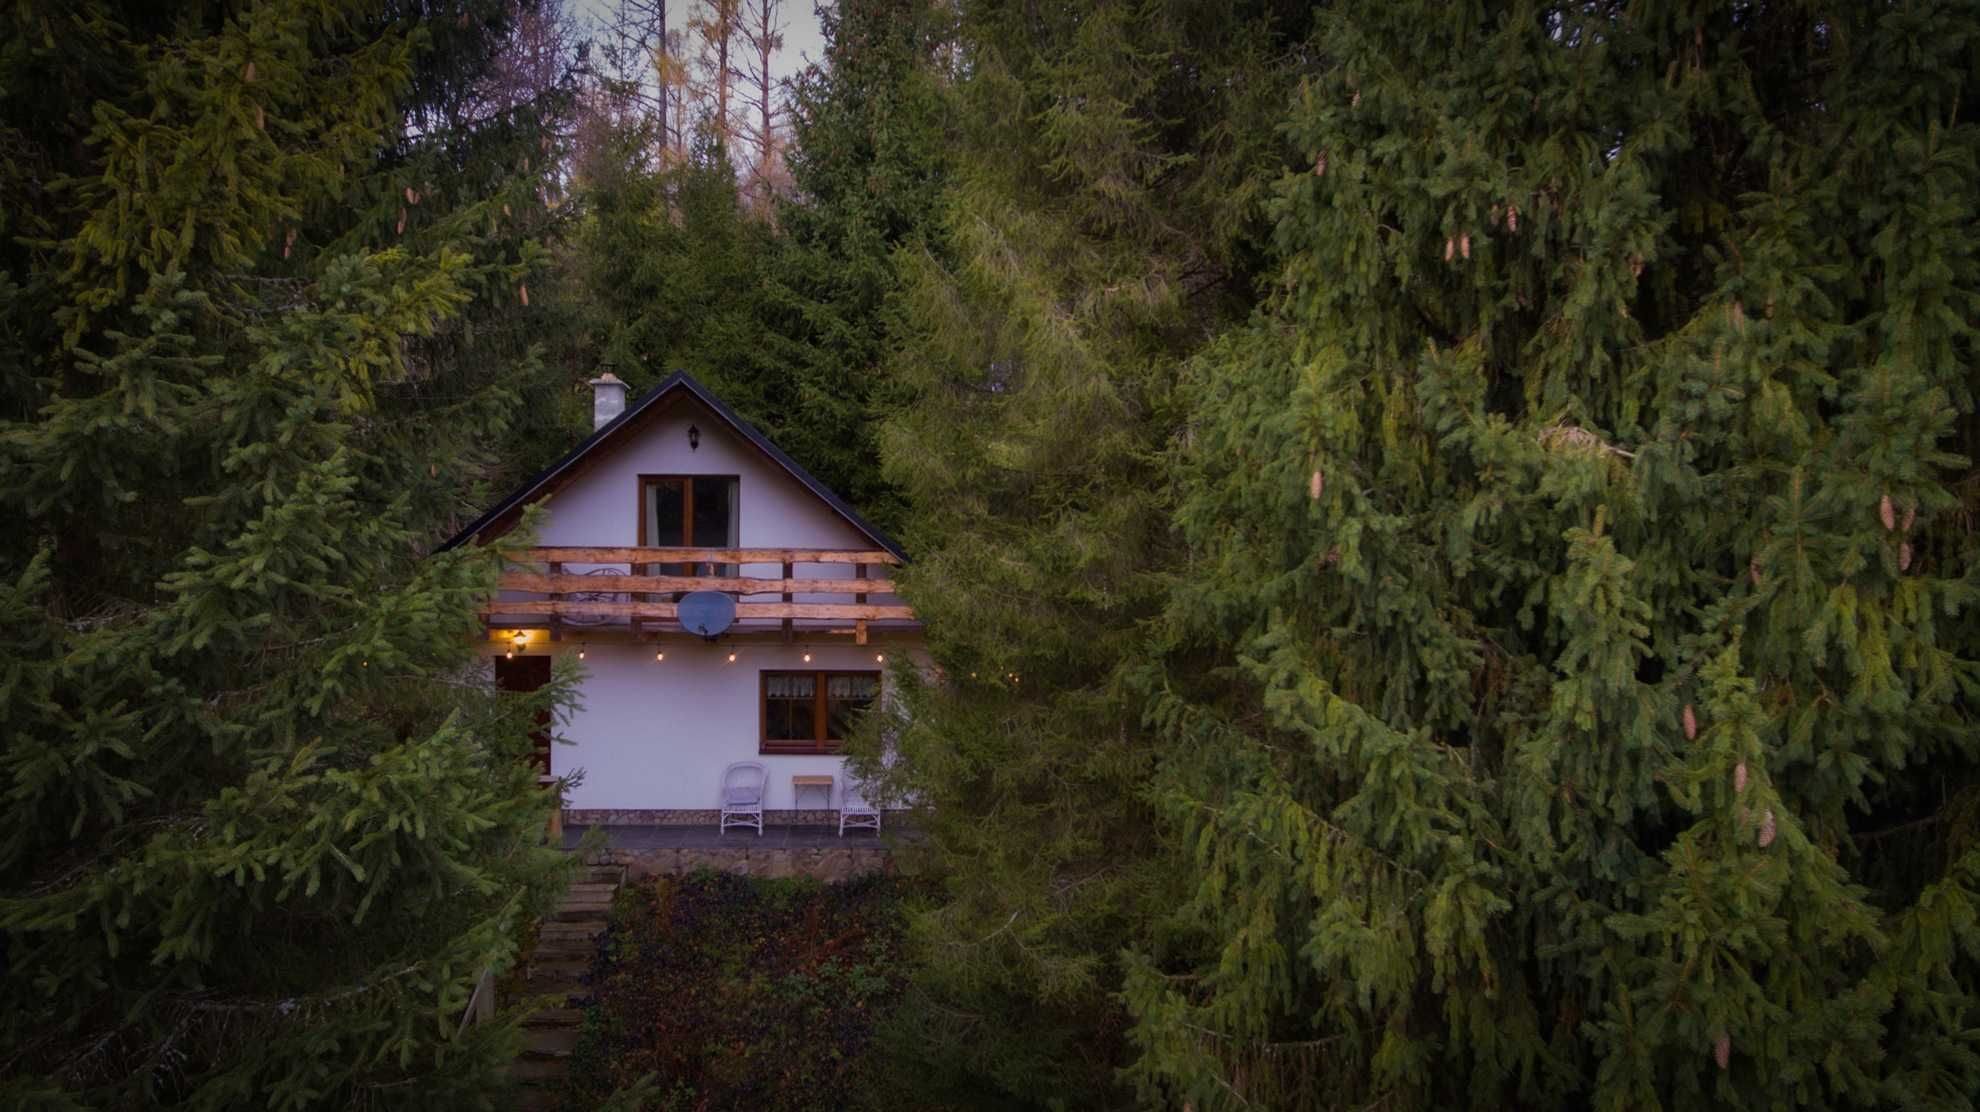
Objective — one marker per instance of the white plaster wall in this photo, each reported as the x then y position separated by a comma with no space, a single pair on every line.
658,734
601,507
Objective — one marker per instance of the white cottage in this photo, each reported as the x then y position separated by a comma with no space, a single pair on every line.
727,607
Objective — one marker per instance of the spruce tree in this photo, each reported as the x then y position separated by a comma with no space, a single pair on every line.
1098,222
266,301
1569,689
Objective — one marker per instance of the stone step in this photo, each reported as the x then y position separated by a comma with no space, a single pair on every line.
561,950
594,889
556,928
602,874
537,1069
549,1042
555,1017
582,913
532,1098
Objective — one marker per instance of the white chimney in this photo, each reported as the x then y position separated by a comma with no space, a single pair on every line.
608,399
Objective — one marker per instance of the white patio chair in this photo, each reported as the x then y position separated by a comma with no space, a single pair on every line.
742,796
855,810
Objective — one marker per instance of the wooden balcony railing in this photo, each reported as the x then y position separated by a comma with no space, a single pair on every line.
606,593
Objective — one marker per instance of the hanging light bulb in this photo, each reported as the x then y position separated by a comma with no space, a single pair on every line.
879,658
732,658
807,658
659,656
580,652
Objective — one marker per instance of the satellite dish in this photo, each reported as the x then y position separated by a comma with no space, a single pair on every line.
706,612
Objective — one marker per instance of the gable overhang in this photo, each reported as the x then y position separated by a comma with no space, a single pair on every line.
621,430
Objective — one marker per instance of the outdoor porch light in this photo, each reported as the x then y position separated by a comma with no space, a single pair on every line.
807,658
732,658
879,658
522,639
694,438
580,652
660,656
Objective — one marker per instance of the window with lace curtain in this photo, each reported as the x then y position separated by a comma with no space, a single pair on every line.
811,712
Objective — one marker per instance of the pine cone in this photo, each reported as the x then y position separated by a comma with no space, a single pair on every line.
525,294
1767,829
1316,484
1690,723
1753,570
1739,778
260,119
1450,249
1910,515
402,221
1722,1051
1904,556
1512,218
1464,244
1885,513
247,74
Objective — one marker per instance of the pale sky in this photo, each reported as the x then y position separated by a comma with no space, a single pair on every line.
802,40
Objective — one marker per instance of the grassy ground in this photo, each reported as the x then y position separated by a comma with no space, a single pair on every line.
732,992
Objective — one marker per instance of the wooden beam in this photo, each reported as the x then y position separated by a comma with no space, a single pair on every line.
643,555
747,585
669,611
621,635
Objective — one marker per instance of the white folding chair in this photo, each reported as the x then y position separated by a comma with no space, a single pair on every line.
855,810
742,796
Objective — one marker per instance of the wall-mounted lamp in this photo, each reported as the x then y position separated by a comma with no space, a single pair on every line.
522,639
694,438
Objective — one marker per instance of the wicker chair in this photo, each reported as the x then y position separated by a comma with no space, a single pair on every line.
855,810
742,796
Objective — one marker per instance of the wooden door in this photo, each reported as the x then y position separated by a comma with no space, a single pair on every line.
527,673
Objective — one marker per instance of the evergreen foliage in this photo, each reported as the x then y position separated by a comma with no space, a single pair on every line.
1569,687
264,335
1099,223
782,313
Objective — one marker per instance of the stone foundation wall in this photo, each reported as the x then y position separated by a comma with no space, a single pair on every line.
648,817
829,863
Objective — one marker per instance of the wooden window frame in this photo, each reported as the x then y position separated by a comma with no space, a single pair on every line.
821,718
687,507
687,529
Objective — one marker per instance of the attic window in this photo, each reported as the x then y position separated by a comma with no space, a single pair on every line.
688,511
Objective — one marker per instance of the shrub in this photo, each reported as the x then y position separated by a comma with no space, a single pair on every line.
733,991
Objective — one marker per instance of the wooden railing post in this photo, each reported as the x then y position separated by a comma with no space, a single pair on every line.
556,620
788,576
859,625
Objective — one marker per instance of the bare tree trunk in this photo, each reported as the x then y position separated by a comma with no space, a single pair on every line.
716,26
764,36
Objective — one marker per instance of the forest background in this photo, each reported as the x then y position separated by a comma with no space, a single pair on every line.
1447,530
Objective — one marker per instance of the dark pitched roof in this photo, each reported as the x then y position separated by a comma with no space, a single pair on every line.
679,380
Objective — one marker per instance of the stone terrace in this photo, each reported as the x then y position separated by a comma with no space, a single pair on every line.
813,851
